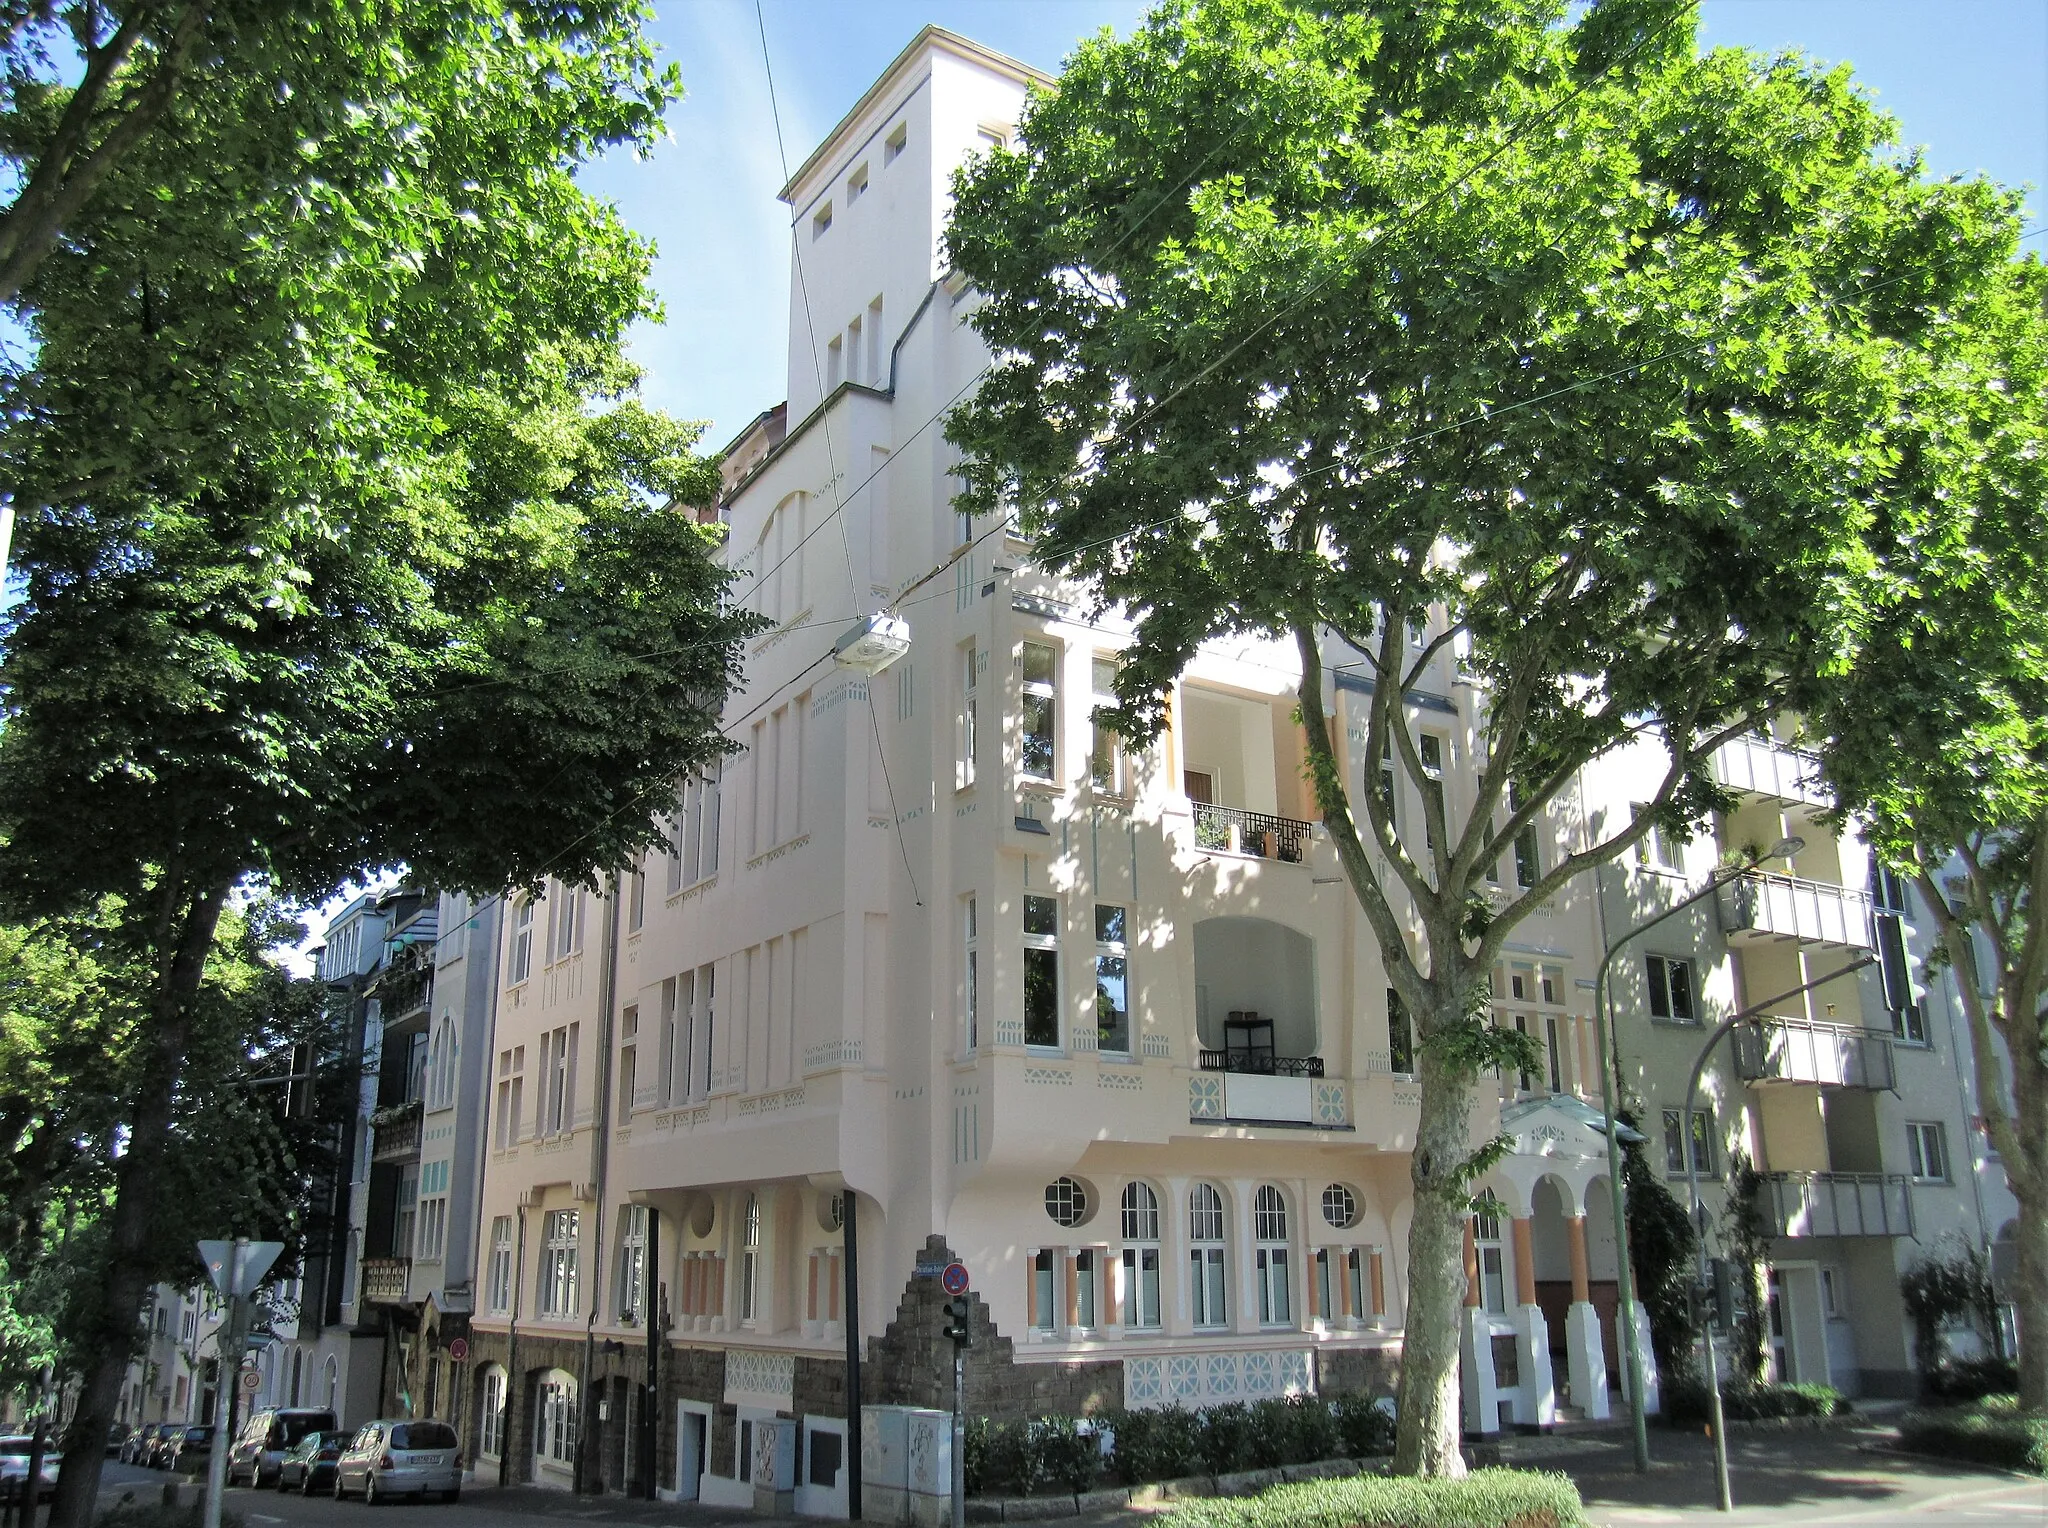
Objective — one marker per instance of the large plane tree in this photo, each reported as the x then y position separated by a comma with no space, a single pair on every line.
1527,326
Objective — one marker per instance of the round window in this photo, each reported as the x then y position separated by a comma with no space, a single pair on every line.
1066,1202
1340,1207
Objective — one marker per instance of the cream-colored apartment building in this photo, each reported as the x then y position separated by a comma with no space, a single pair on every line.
1108,1027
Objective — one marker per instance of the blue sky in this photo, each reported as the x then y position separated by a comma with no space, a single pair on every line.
1967,80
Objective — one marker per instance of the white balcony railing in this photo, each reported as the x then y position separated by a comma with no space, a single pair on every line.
1814,1051
1838,1204
1765,767
1766,905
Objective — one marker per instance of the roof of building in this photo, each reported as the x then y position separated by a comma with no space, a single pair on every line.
931,37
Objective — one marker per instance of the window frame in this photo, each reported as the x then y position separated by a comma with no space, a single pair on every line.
1106,744
560,1293
1038,698
1701,1139
1113,951
1140,1255
1657,971
1208,1260
1272,1258
1041,951
1919,1132
519,962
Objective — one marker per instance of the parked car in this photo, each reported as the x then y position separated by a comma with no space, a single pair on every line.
308,1466
399,1458
117,1439
160,1446
136,1449
265,1438
192,1451
14,1452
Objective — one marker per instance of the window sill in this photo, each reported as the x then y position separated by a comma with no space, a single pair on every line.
1676,1023
1051,1052
1932,1182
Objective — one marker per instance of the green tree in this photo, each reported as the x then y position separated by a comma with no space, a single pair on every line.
1934,727
344,541
1662,1250
1542,335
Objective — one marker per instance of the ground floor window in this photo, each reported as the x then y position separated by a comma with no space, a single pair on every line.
554,1438
1141,1286
491,1431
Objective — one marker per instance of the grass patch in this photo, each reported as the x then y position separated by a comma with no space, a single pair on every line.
1990,1431
1483,1499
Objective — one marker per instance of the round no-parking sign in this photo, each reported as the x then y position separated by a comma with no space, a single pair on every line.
954,1279
459,1349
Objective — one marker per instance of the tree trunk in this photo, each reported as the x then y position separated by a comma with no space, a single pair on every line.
1429,1423
110,1342
2030,1297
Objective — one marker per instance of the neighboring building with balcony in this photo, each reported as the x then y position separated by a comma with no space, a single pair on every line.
1105,1024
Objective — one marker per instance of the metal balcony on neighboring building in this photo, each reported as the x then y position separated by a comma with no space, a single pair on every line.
1766,767
395,1131
1260,834
1814,1051
1838,1204
1765,906
384,1280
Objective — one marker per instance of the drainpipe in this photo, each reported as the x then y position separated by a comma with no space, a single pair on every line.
601,1129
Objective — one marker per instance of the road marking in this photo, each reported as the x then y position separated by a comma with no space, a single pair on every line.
262,1519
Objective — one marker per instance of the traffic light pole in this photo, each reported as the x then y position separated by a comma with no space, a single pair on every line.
959,1436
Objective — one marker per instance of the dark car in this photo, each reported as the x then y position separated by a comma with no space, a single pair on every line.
160,1446
266,1437
136,1449
117,1439
190,1453
308,1466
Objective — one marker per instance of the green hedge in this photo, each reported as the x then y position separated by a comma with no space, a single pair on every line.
1483,1499
1970,1379
1990,1431
1685,1402
1137,1447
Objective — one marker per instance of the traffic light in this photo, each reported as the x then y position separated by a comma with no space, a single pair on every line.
959,1320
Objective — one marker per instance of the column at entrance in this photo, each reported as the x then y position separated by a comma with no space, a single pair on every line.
1535,1397
1584,1352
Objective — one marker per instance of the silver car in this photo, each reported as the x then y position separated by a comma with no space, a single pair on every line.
400,1458
14,1452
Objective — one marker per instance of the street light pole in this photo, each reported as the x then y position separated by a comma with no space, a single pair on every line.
1603,1022
1693,1207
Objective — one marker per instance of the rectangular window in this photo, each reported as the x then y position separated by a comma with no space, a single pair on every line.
1528,862
521,964
558,1272
821,221
1141,1287
499,1282
1526,1081
1274,1307
970,973
491,1421
1040,720
636,897
1550,1049
1432,751
1927,1151
1106,758
629,1059
1655,850
893,144
1041,971
835,361
511,1095
856,184
558,1079
568,902
1087,1290
1044,1304
632,1263
696,857
1703,1154
1112,987
968,729
1672,995
1400,1035
1205,1286
408,1210
1355,1279
1386,790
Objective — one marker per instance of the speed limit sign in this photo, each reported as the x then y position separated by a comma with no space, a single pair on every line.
251,1381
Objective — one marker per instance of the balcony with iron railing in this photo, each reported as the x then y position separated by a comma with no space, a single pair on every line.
1259,834
385,1280
1765,767
1257,1085
1837,1204
1815,1051
395,1131
1762,906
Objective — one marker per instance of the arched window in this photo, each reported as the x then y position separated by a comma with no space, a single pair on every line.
1205,1256
750,1260
1269,1233
330,1381
1141,1255
441,1066
1493,1286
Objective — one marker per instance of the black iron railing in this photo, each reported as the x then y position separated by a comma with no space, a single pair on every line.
1236,831
1262,1066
